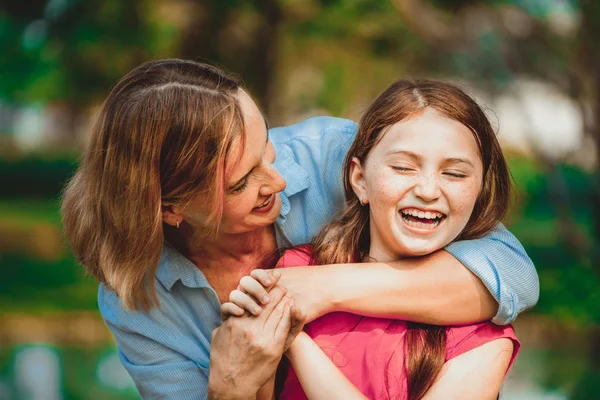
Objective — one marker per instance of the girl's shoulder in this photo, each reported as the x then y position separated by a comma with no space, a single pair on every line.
461,339
297,256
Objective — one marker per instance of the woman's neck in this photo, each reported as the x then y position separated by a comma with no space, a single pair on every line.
241,246
224,260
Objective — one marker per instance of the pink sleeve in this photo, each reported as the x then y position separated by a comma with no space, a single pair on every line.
298,256
461,339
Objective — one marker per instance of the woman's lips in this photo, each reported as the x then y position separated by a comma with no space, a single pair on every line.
266,206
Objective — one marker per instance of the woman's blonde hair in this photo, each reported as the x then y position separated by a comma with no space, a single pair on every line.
162,137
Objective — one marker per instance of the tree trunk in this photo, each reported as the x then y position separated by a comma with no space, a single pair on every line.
254,59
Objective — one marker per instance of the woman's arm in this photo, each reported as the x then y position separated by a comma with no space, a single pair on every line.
476,374
435,289
499,281
438,289
317,374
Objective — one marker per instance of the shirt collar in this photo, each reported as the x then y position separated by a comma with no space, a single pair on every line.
175,267
295,176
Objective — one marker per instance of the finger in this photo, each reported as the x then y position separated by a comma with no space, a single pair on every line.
267,277
283,327
255,289
276,294
276,315
231,309
244,301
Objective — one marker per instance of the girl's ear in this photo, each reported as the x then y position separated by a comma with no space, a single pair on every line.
357,180
171,214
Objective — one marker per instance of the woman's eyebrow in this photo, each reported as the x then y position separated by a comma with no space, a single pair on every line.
239,181
266,127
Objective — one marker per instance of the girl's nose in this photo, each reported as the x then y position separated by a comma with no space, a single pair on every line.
428,188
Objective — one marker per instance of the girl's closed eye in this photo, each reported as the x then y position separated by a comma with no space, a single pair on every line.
402,168
455,174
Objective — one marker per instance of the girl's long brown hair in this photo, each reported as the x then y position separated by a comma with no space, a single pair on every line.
162,138
346,239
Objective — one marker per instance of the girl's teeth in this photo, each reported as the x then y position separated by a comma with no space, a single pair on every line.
422,214
421,225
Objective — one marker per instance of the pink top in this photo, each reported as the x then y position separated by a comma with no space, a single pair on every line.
370,351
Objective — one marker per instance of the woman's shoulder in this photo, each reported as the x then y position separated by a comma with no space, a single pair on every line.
321,128
298,256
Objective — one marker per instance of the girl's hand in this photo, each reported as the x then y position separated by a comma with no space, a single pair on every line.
308,285
251,294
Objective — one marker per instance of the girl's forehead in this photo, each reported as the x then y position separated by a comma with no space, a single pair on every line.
430,130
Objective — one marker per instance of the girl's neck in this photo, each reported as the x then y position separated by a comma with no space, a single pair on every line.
380,254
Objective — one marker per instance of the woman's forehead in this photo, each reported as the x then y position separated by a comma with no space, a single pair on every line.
248,147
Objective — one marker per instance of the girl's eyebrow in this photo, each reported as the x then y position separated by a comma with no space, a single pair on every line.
458,160
447,161
406,153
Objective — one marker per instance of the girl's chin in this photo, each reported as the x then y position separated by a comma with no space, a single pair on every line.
417,247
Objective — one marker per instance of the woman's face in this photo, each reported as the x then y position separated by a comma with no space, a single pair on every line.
252,184
421,182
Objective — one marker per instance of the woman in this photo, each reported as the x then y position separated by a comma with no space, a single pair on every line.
181,193
425,168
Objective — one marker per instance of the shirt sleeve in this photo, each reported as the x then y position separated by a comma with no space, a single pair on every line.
502,264
462,339
158,370
310,155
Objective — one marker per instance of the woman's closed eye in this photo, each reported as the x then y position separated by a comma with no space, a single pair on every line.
240,188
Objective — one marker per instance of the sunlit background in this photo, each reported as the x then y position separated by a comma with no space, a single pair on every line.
535,64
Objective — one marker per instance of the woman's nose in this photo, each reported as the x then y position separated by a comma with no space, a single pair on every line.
427,188
274,183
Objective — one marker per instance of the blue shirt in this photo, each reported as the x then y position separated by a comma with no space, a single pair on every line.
167,350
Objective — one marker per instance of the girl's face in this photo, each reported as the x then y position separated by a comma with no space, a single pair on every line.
421,182
252,184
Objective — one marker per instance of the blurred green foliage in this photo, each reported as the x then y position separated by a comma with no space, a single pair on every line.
299,57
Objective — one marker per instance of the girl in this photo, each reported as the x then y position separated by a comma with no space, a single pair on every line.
424,170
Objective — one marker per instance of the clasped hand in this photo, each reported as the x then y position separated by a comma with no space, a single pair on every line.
247,347
259,294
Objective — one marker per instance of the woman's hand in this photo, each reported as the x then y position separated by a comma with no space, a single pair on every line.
245,351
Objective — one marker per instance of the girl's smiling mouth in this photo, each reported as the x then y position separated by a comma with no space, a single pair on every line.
427,220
